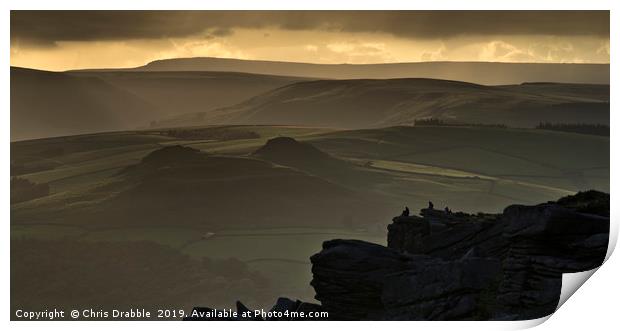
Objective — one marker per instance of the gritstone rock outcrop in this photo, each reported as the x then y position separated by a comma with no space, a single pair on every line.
455,266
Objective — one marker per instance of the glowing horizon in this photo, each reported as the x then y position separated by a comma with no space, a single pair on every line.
86,40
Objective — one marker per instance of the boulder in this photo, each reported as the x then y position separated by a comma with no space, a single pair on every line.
447,235
349,275
405,234
356,280
434,289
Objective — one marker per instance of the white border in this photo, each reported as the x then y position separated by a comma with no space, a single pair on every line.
592,306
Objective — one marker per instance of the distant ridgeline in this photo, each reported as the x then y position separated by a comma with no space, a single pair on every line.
593,129
446,265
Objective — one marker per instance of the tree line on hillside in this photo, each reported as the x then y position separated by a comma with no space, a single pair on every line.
439,122
583,128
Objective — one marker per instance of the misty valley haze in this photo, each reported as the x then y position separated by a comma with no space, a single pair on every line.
186,92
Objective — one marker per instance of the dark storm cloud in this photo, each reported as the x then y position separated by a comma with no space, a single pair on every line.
47,27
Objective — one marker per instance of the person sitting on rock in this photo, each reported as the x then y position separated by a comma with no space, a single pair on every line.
430,205
405,212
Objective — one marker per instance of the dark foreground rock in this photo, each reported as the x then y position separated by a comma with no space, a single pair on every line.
351,275
456,266
544,242
357,280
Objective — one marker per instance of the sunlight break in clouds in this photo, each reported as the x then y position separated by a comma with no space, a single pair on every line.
310,46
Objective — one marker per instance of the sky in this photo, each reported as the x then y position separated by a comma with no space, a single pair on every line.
64,40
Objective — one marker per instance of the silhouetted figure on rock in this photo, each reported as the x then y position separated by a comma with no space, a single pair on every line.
430,205
405,212
448,211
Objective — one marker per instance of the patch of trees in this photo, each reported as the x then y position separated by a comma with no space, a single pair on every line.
439,122
24,190
121,275
221,134
583,128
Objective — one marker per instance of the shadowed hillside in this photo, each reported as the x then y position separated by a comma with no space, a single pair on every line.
45,104
181,186
377,103
118,275
304,156
290,152
92,101
186,92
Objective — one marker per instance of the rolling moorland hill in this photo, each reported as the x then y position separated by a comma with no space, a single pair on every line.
469,168
488,73
290,152
45,104
305,157
187,91
561,160
90,101
177,185
378,103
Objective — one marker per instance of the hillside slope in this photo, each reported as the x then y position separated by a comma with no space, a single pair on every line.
45,104
377,103
180,186
186,92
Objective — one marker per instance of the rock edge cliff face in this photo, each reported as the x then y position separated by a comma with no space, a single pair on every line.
456,266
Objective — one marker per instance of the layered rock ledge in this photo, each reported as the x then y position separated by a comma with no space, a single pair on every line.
456,266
